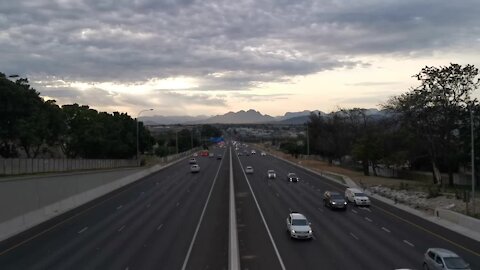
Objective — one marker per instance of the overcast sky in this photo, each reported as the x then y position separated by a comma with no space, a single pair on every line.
208,57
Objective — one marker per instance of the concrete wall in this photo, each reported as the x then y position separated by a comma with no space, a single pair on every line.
29,201
13,166
460,219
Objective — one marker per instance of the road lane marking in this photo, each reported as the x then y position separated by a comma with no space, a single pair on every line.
121,228
354,211
365,209
330,183
159,227
428,231
408,243
385,229
367,219
354,236
263,218
178,203
187,257
110,197
276,194
148,205
82,230
119,207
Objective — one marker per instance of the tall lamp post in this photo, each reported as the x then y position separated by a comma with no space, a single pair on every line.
473,160
138,148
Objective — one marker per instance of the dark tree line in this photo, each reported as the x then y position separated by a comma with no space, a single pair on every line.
186,138
34,126
428,127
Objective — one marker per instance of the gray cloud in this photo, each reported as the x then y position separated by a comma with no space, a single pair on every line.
250,42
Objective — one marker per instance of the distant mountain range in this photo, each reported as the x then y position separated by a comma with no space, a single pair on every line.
240,117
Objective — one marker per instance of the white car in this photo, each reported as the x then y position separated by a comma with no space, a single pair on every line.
192,161
271,174
253,152
263,154
357,197
249,169
194,168
298,226
443,259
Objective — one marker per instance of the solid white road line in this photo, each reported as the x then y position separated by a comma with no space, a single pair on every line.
201,218
82,230
385,229
408,243
263,218
354,236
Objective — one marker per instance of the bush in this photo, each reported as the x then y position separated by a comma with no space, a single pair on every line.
433,191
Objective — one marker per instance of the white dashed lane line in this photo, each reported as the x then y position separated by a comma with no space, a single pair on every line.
408,243
119,207
385,229
121,228
367,219
82,230
354,211
159,227
354,236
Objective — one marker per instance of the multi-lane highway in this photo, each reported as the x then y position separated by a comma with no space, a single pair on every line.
174,219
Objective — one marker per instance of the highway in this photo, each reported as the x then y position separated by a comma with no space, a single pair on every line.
149,224
174,219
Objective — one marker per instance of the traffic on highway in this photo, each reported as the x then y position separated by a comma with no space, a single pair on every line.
238,207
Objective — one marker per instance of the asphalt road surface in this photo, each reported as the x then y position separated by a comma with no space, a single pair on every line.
174,219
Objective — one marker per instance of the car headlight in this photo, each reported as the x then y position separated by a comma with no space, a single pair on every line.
293,231
334,203
309,231
344,202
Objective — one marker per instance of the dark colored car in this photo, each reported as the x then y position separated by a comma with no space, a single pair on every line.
334,200
291,177
219,156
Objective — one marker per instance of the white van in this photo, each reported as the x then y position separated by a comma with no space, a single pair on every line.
356,196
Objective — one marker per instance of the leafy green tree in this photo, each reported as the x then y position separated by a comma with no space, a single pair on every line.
436,110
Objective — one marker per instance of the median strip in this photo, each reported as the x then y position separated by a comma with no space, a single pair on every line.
234,253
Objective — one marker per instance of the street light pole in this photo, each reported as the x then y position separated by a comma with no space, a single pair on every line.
473,162
138,148
308,142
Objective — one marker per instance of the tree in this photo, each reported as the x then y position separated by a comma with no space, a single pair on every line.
436,110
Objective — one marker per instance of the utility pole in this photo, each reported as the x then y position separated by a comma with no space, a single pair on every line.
308,142
473,162
176,140
191,138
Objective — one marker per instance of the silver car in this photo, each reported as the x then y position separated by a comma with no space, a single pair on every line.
298,226
271,174
444,259
249,169
194,168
